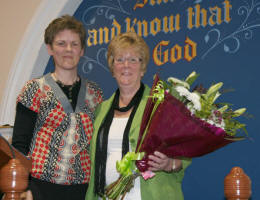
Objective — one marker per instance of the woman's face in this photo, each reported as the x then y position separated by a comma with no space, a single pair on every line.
127,68
66,50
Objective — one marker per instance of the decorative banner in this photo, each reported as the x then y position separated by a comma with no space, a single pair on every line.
219,39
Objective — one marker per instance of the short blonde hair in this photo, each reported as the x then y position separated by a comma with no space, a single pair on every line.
128,40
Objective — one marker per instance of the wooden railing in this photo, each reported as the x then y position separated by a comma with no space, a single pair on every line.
15,168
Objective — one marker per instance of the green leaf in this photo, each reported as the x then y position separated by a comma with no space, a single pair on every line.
235,139
239,112
191,78
223,108
213,89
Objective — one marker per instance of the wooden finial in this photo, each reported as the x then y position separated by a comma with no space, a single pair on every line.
237,185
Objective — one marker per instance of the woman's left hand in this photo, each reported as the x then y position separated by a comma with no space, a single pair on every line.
160,162
26,195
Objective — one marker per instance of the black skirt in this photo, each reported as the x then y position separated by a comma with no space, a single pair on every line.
42,190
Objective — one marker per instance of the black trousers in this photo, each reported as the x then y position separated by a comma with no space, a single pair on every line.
42,190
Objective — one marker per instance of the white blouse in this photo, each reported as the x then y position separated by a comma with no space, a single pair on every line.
114,153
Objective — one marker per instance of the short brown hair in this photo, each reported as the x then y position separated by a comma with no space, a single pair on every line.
125,40
65,22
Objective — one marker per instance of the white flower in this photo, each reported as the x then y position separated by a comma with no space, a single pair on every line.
176,81
182,91
193,97
216,121
210,121
191,108
220,125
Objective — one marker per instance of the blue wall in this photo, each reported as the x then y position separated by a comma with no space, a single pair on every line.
227,50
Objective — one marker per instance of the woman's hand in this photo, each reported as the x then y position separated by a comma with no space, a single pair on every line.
160,162
26,195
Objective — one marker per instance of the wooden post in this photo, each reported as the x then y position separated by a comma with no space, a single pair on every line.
14,171
237,185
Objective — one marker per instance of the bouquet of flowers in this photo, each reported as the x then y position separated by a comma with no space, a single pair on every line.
193,125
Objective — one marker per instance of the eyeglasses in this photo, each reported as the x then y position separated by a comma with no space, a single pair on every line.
131,60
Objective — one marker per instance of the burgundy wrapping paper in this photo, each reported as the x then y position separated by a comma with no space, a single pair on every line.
176,133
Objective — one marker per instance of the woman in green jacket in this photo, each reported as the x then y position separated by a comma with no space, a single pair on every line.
117,126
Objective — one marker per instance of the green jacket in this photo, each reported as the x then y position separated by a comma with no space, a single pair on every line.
163,185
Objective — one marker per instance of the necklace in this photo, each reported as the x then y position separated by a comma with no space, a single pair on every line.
67,89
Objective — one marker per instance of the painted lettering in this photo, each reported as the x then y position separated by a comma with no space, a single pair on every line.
198,16
161,52
227,8
190,49
144,28
103,35
171,23
152,3
140,5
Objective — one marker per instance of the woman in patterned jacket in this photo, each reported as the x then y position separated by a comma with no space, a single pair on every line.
54,117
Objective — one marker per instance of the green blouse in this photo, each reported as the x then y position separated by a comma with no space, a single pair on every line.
163,185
